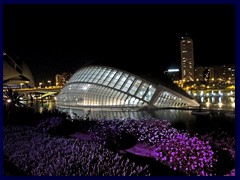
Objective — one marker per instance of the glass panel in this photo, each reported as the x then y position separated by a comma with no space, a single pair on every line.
122,80
104,76
132,100
115,79
136,101
149,94
135,86
80,77
99,75
123,100
76,76
116,98
110,76
127,84
127,100
96,71
90,74
85,74
142,90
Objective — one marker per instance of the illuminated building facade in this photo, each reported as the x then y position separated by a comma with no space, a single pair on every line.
62,79
187,59
16,74
107,87
224,73
202,73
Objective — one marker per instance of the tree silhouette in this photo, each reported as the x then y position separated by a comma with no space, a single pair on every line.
12,99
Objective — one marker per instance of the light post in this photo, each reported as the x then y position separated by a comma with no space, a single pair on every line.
27,83
40,85
49,82
21,85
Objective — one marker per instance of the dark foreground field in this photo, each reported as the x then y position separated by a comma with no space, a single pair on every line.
52,144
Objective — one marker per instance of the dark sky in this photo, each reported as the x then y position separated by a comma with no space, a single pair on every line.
143,39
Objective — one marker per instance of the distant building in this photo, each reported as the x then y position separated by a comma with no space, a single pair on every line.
224,73
173,74
187,59
202,73
62,79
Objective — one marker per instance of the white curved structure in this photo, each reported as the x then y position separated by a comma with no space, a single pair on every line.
107,87
15,74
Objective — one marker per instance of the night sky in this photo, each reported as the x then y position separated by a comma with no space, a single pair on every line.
143,39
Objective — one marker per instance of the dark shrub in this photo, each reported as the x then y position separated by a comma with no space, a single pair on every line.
115,139
20,116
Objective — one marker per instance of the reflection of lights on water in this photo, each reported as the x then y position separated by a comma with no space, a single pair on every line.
220,104
207,94
232,99
220,93
233,105
50,106
220,99
207,104
41,109
213,99
202,99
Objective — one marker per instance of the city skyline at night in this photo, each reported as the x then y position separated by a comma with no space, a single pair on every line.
59,38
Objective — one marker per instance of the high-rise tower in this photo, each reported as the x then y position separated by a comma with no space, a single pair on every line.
187,59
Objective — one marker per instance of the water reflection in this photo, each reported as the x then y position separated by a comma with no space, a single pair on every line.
216,102
39,106
180,119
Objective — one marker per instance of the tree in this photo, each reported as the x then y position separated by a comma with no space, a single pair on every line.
12,99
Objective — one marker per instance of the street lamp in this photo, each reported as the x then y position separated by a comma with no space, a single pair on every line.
49,82
40,85
27,83
21,85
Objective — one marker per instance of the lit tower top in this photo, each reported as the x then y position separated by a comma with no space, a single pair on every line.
187,59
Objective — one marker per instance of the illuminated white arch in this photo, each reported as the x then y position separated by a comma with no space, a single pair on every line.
15,74
107,87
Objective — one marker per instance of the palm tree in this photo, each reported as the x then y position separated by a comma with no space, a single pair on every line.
12,99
